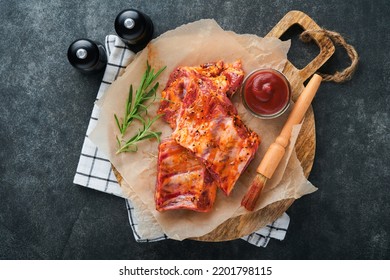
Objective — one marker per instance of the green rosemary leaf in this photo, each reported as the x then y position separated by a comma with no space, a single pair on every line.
118,141
143,80
142,120
156,118
129,100
152,134
117,123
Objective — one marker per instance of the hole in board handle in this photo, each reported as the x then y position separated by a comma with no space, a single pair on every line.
300,53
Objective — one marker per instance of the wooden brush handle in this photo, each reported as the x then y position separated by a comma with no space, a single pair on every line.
277,149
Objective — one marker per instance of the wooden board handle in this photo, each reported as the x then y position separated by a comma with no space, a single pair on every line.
297,76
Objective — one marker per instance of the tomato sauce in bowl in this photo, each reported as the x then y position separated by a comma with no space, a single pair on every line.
266,93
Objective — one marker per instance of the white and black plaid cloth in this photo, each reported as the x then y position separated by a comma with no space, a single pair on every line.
94,170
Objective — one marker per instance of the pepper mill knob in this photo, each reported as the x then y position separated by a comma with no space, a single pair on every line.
134,28
87,56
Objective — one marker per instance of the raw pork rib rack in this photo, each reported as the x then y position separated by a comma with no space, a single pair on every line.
210,146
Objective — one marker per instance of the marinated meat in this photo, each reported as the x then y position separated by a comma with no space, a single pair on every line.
210,145
208,126
183,182
228,77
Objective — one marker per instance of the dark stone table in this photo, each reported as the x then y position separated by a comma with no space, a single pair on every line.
45,107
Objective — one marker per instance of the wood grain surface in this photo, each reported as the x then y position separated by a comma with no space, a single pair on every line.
305,146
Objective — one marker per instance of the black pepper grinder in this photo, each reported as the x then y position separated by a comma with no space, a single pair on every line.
134,28
87,56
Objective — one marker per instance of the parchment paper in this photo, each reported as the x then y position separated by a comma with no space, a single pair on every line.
193,44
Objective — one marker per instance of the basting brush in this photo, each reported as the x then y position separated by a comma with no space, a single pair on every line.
277,149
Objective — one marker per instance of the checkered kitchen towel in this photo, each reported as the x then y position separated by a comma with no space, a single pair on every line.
94,170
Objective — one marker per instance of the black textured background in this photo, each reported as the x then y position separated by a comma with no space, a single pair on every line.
45,106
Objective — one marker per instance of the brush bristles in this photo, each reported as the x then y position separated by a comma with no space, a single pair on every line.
250,199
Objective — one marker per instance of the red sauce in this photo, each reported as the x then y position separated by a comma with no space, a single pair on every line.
266,92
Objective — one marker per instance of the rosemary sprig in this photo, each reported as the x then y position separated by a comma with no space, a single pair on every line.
144,133
136,109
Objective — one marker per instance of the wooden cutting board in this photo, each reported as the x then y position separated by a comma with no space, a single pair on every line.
305,146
